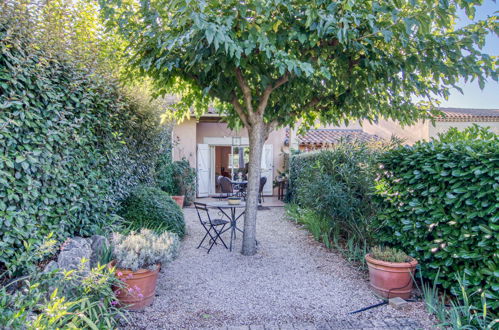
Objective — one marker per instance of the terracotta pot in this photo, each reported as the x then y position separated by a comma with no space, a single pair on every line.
140,287
391,279
179,200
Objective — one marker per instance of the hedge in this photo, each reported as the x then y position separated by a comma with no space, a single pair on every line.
338,184
151,208
72,146
439,202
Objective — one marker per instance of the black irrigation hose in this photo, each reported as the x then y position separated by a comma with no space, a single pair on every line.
385,301
369,307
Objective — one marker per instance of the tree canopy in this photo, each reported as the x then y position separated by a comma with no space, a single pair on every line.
335,60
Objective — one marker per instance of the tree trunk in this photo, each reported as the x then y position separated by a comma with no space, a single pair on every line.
256,140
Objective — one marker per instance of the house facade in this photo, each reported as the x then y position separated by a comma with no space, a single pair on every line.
214,150
425,130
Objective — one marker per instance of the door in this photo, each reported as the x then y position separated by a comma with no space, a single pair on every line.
203,170
268,168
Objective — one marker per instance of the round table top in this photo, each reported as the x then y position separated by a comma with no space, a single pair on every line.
239,182
226,205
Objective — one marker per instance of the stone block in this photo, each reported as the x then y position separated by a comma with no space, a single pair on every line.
397,302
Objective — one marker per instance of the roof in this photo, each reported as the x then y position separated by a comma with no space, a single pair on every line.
463,114
328,136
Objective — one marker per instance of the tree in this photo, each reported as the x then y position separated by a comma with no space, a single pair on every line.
275,62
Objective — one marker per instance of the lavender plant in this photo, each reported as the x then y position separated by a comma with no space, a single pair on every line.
144,249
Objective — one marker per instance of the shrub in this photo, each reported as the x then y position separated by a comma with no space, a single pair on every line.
338,184
316,224
61,300
165,175
463,312
71,146
152,208
144,249
176,178
438,202
185,180
389,254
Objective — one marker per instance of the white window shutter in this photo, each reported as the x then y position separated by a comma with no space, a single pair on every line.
203,170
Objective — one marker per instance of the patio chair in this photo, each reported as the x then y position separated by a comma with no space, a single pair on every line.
226,186
263,181
213,227
219,178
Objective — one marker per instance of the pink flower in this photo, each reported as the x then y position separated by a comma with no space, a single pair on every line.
119,274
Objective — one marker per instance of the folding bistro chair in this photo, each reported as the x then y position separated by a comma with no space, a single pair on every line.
210,225
263,181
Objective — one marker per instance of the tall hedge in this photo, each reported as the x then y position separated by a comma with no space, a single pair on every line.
440,203
339,184
71,147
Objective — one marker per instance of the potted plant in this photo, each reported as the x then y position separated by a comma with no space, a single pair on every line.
179,200
391,272
234,200
137,259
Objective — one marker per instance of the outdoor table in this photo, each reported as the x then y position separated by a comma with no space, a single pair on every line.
231,215
241,187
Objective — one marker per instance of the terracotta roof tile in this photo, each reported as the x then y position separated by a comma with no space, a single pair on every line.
460,114
323,136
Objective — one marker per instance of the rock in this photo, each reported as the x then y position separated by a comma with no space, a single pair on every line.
397,302
76,249
50,267
99,246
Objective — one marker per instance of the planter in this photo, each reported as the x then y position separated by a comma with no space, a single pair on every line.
391,279
234,200
139,289
179,200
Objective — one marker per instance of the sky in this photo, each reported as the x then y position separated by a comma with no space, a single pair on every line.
473,96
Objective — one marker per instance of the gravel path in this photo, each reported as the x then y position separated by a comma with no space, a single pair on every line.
291,280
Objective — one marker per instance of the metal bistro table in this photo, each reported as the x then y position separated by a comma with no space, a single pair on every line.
231,215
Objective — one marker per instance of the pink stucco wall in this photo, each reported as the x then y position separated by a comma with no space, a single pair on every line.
388,128
184,138
190,133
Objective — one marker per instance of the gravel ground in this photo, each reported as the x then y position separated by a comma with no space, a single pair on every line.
292,279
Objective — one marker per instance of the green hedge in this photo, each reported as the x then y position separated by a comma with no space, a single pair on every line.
338,184
439,202
152,208
72,146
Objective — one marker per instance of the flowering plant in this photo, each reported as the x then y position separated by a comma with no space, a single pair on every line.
144,249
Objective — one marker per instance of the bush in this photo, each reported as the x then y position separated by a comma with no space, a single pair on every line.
144,249
72,146
165,175
439,203
61,300
152,208
338,184
176,178
185,180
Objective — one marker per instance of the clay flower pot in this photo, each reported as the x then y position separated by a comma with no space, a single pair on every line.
179,200
391,279
139,289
